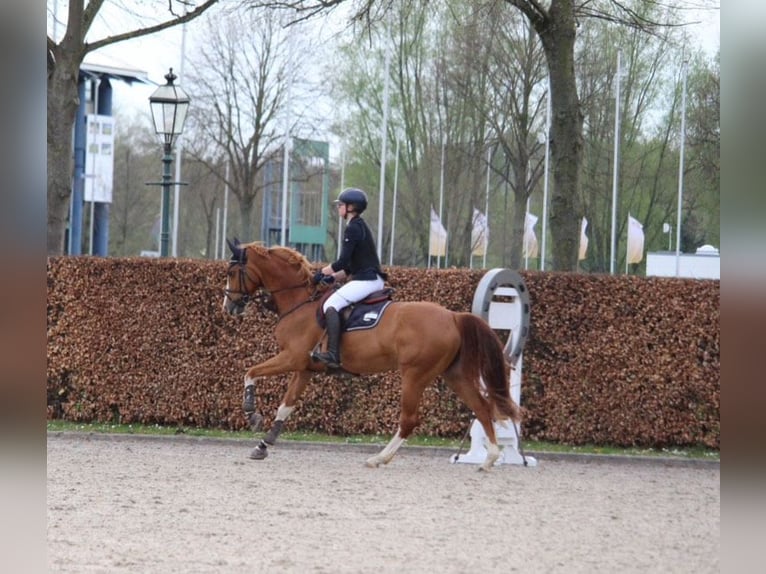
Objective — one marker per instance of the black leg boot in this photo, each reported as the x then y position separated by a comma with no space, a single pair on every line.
332,356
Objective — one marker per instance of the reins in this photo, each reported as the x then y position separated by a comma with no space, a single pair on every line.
313,297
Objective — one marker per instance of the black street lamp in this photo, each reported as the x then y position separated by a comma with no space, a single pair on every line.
169,104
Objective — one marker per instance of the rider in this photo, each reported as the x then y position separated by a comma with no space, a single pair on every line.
358,260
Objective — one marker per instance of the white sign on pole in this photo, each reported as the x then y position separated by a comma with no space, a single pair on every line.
99,158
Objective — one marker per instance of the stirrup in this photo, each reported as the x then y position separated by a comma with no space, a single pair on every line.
327,358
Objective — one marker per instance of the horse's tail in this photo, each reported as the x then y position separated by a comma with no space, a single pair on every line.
482,356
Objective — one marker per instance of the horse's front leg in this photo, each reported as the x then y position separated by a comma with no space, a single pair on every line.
295,389
283,362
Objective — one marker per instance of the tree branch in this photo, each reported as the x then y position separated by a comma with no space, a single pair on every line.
139,32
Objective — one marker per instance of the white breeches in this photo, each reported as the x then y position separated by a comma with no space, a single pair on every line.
352,292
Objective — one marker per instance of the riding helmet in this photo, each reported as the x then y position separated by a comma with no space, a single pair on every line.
353,196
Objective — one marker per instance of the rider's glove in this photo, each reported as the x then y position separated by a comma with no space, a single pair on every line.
320,277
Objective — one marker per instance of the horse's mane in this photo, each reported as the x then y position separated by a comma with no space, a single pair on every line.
286,254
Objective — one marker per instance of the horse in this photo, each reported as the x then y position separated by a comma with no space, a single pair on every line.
422,340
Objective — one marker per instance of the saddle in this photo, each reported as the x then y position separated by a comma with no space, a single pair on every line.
364,314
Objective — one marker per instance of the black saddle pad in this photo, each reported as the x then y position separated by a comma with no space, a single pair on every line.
365,316
362,315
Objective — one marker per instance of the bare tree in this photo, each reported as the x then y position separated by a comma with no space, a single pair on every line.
65,56
241,85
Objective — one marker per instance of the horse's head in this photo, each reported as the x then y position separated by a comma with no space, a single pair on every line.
242,281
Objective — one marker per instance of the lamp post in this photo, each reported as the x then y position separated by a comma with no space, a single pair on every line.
169,104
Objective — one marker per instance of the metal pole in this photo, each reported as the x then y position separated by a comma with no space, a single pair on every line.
217,231
441,201
627,239
681,172
179,151
342,187
526,237
286,157
225,210
167,159
383,138
486,209
615,174
393,209
285,188
545,180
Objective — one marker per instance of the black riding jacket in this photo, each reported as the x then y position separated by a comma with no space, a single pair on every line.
358,256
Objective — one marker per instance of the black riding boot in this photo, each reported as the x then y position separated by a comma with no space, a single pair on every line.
332,356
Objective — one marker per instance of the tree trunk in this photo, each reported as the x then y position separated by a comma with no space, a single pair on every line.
246,219
566,141
517,235
63,101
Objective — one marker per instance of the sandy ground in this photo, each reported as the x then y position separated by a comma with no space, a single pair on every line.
144,505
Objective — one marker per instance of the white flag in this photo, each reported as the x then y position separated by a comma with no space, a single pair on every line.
530,239
635,240
583,239
437,240
479,233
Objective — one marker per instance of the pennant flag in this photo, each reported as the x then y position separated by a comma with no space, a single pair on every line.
635,240
437,240
479,233
530,239
583,239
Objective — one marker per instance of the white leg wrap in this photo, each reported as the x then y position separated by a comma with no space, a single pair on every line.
283,412
249,382
493,453
385,456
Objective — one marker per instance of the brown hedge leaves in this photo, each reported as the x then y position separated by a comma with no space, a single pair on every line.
610,360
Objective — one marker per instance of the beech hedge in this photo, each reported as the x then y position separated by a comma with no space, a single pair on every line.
610,360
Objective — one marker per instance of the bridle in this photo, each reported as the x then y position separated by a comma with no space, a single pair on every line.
264,296
244,296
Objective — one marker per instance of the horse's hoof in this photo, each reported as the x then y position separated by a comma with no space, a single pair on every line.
259,453
372,463
256,421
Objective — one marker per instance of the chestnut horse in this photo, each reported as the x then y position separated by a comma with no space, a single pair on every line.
421,340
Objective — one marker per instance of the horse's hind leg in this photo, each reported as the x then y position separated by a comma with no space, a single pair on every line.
385,456
295,389
412,390
470,394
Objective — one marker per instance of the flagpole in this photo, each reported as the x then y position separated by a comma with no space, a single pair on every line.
218,238
545,179
441,200
526,240
342,186
486,209
627,246
615,174
393,209
179,151
384,130
225,209
286,157
681,170
446,246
